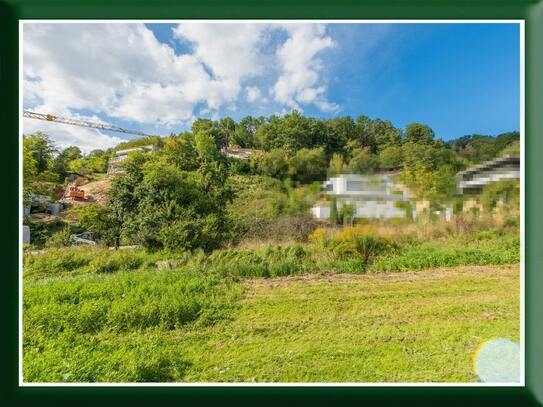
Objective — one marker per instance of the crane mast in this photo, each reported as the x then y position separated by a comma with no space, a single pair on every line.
81,123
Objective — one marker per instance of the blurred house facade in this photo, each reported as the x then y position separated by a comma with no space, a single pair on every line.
473,179
371,196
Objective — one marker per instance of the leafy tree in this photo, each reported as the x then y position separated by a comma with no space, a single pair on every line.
384,134
61,163
430,156
239,166
363,134
226,128
60,238
71,153
290,133
201,125
478,148
375,134
363,161
241,138
308,165
212,129
134,162
337,165
181,151
158,205
244,135
430,168
98,160
94,162
338,133
390,156
272,164
205,146
42,150
101,221
30,171
418,133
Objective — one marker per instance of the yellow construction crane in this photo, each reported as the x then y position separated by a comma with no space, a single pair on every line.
81,123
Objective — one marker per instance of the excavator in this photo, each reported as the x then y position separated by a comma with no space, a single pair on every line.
74,192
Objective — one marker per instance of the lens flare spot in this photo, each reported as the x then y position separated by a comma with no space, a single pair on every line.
498,361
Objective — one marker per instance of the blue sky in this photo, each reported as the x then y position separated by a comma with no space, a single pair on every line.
458,78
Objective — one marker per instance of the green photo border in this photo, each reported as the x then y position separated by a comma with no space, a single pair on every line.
531,11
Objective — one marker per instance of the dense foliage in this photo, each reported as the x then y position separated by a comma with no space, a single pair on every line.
179,195
478,148
159,205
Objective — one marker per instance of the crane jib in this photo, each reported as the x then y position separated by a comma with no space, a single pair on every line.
81,123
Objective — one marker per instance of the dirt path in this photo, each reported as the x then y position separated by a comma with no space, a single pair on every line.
333,277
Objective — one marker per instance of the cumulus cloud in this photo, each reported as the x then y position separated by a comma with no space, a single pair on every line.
122,71
230,51
300,67
252,94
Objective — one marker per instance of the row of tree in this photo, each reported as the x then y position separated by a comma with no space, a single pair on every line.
176,196
301,148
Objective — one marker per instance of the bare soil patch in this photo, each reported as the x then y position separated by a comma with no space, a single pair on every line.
334,277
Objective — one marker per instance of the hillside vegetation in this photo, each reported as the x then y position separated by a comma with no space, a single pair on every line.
229,278
188,194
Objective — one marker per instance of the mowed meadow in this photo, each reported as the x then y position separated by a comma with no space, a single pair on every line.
350,305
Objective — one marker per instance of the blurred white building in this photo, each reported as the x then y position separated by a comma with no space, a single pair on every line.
475,178
371,196
115,164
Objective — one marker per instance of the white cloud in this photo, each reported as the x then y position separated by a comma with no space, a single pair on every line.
230,51
123,71
120,70
252,94
298,82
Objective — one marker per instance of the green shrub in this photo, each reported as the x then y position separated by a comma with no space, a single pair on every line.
42,232
87,259
353,265
271,261
109,262
369,247
60,238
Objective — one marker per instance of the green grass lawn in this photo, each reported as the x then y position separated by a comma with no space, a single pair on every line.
396,327
416,327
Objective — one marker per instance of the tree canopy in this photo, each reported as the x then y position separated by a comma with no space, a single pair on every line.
176,195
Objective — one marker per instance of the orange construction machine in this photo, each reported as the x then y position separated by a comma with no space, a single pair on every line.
76,193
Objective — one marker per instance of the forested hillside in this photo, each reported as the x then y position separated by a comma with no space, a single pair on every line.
188,194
